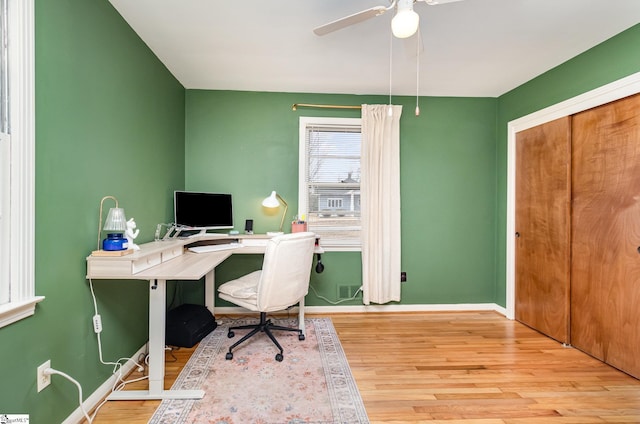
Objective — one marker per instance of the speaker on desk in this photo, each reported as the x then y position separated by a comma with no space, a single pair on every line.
187,324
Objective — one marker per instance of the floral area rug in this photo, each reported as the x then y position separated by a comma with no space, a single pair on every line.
313,384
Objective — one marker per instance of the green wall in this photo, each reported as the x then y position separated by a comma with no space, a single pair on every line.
246,143
109,121
612,60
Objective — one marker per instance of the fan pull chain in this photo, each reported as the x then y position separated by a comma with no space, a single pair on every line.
419,35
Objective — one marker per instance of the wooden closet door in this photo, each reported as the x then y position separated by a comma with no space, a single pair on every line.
605,309
542,228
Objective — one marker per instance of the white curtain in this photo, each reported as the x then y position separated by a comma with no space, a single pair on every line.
380,203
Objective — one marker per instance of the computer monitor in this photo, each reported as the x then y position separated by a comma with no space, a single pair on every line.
202,211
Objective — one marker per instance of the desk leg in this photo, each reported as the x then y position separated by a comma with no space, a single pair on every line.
301,316
209,291
157,317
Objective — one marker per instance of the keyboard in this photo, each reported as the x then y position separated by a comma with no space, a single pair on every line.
214,247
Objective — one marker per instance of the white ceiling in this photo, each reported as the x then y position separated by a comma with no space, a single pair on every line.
472,48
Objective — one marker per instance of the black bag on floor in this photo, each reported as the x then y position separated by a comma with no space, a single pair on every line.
187,324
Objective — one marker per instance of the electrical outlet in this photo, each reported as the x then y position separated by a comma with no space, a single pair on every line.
403,277
43,379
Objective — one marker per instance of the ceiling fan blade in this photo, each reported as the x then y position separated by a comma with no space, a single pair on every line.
350,20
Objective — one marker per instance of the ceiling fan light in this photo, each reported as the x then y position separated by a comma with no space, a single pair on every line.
405,23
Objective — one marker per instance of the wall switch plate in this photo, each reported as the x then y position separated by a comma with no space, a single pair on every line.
43,379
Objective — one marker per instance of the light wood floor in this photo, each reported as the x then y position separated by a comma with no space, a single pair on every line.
467,367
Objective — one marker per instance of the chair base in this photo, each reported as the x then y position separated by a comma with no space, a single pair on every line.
265,326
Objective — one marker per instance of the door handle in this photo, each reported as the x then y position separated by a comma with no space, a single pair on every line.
518,236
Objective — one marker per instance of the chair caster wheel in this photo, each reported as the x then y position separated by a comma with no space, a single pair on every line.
301,337
230,334
279,357
229,356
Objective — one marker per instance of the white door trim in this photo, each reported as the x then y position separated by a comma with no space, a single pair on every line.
610,92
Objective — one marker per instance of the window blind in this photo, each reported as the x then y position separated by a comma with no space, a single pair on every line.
332,183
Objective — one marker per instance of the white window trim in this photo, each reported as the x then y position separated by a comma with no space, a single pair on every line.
304,122
22,156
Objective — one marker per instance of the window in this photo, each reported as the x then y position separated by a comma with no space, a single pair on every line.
329,188
334,203
17,161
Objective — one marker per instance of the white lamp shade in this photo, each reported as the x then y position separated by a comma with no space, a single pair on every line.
271,201
405,23
116,221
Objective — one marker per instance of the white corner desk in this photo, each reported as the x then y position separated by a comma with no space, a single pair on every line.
157,262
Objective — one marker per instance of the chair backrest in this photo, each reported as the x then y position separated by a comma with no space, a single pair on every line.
286,271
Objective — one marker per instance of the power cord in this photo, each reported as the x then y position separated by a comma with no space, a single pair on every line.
51,371
119,382
97,328
335,302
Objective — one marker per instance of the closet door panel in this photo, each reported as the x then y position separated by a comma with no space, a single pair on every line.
605,288
542,226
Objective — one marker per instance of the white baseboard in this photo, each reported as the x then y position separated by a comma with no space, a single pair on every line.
336,309
101,392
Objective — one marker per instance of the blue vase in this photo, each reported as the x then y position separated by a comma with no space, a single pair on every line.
114,241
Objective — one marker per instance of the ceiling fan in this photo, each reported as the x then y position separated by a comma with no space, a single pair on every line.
403,25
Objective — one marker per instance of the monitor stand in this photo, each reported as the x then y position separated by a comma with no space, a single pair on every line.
182,232
202,232
195,232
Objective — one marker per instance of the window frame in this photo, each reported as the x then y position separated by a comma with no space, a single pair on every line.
19,159
304,123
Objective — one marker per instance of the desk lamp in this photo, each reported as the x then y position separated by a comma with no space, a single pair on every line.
116,225
273,201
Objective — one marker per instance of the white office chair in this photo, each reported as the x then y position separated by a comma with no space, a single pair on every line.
282,282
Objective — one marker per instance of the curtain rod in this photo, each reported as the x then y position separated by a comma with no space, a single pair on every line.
297,105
